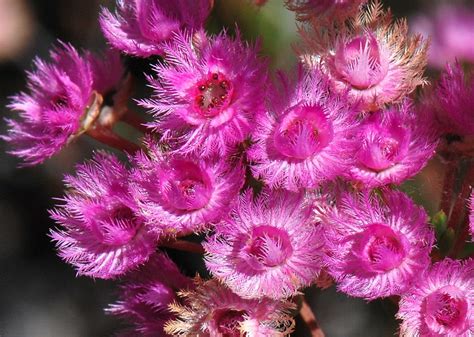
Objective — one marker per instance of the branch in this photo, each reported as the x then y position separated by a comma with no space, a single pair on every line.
310,319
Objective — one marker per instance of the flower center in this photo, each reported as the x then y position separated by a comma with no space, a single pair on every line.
269,246
213,95
186,187
381,248
360,62
116,226
383,148
446,310
228,322
302,132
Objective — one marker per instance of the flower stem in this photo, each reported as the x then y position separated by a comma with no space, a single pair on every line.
108,137
133,119
310,319
186,246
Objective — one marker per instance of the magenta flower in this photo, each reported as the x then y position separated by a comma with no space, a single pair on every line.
391,146
471,214
372,58
304,138
146,295
57,108
451,29
441,304
452,101
377,246
268,247
100,234
214,310
324,9
140,26
181,195
207,93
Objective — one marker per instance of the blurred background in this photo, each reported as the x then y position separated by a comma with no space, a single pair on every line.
39,294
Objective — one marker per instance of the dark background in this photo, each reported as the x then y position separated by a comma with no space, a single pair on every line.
39,294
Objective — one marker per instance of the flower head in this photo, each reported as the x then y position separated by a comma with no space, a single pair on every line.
181,195
324,9
392,145
377,248
214,310
140,26
372,58
268,247
304,137
471,214
452,101
207,93
147,293
58,107
441,303
100,233
451,29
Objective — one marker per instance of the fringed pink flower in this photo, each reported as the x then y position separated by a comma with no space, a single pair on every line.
214,310
450,29
441,304
207,93
55,110
181,195
304,137
140,26
391,146
268,247
324,9
146,294
372,57
377,245
471,215
453,100
99,232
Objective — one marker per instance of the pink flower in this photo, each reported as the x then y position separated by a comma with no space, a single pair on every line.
471,214
441,304
57,108
451,29
140,26
304,137
377,246
453,100
324,9
392,145
146,294
181,195
100,234
207,93
214,310
372,57
268,247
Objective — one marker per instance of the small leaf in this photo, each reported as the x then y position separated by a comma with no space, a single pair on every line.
439,223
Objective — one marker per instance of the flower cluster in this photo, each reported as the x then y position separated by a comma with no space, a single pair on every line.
288,180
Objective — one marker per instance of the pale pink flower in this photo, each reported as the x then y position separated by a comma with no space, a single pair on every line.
268,247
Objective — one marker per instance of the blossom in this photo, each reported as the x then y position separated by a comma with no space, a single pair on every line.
393,145
304,137
451,29
146,294
61,104
214,310
471,214
452,101
377,245
441,303
140,26
207,93
372,57
100,232
268,247
324,9
180,195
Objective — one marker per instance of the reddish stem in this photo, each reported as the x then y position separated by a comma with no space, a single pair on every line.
133,119
448,186
108,137
310,319
186,246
